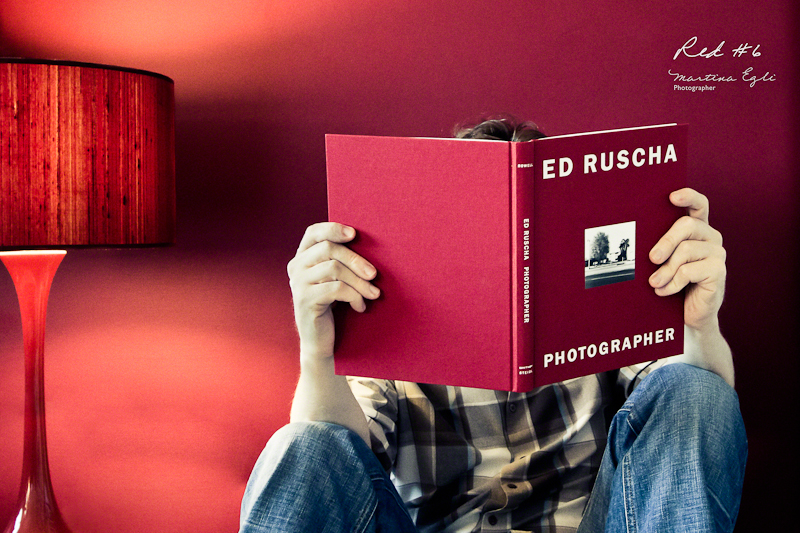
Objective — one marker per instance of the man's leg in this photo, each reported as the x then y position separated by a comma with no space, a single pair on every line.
675,457
320,477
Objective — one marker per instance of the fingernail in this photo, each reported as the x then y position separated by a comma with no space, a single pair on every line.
349,232
370,271
374,291
655,255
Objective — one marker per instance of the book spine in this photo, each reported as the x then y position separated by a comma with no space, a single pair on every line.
522,205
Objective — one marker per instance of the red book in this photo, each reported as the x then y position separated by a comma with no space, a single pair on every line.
507,265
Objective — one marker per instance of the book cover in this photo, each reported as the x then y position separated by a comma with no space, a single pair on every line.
506,265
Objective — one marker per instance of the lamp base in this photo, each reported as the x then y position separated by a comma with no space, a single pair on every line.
32,273
31,522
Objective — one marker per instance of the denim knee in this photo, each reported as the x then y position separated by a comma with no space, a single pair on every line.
300,443
310,438
699,420
692,397
306,470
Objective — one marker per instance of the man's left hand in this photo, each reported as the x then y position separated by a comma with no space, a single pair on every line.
691,255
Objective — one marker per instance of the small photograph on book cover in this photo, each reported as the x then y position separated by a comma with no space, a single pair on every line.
609,254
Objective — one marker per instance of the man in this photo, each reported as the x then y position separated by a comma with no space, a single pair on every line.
623,250
436,458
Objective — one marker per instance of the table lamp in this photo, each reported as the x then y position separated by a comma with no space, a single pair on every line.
87,158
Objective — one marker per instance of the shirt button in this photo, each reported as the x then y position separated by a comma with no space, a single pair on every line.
492,520
512,407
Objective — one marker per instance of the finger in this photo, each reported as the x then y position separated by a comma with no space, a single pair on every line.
333,271
323,295
686,228
325,251
326,231
695,273
692,262
695,202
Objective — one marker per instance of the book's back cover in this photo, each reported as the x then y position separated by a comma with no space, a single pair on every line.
595,310
432,215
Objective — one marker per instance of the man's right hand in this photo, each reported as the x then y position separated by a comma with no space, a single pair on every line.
324,271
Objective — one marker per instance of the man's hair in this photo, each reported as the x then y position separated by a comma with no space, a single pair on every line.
505,128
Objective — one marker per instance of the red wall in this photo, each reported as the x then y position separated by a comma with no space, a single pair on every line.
168,369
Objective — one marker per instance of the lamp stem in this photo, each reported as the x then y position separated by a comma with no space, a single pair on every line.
32,273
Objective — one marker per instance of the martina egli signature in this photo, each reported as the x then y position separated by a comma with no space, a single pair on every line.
749,75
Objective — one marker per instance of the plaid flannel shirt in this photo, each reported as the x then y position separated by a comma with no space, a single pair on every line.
468,460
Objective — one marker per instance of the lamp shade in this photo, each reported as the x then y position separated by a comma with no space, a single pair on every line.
87,155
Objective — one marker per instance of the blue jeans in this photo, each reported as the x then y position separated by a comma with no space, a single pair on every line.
318,477
674,461
675,457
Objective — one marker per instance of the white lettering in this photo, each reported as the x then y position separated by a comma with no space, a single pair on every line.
564,167
717,52
754,79
655,155
526,295
670,154
622,159
548,169
638,157
589,162
581,353
605,166
526,244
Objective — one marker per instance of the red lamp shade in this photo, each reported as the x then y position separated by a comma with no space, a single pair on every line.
87,155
